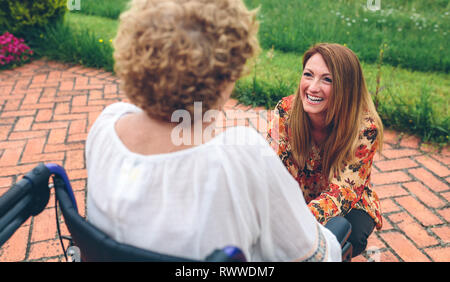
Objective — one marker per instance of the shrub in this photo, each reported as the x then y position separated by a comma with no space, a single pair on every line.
64,42
20,17
13,51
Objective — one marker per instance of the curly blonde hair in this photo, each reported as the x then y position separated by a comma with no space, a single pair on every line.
172,53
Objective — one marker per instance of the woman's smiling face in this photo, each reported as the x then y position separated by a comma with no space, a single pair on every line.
316,86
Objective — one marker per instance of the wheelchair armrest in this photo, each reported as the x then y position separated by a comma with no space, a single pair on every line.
28,197
340,227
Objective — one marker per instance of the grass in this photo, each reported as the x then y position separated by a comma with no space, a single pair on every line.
272,76
419,117
410,100
71,43
104,8
103,27
416,32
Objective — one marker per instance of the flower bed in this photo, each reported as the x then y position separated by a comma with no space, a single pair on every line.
13,51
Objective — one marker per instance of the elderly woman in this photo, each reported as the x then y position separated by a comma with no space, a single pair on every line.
147,189
327,135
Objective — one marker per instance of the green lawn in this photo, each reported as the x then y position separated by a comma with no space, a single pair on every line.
410,99
415,31
104,8
105,28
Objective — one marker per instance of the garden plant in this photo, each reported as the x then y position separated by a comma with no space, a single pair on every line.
13,51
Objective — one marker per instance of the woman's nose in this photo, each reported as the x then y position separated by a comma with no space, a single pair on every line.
314,86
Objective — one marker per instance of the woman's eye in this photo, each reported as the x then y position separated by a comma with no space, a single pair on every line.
307,74
327,79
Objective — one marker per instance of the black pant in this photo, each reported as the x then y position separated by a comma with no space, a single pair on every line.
362,227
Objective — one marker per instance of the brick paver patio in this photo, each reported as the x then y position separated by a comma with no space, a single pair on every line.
47,109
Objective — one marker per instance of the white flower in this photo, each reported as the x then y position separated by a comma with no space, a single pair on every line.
353,21
399,29
366,20
349,24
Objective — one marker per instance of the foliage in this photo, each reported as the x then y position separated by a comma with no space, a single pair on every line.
104,8
19,16
65,43
416,31
418,117
13,51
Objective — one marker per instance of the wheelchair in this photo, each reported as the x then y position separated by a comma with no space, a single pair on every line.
29,197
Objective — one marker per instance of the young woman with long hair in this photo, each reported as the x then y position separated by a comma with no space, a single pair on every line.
327,135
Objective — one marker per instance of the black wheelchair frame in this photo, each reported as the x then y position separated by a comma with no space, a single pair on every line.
29,197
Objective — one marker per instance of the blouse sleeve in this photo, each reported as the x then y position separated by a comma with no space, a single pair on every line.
277,133
345,191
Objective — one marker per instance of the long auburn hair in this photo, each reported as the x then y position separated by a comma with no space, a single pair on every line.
347,103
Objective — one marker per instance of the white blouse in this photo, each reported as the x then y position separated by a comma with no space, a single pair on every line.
232,190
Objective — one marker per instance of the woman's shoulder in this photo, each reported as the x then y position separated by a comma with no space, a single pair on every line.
369,127
103,124
286,103
112,112
284,106
119,108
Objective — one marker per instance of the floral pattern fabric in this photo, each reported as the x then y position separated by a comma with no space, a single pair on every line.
326,199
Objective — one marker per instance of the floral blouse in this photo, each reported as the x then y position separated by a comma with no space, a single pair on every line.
327,199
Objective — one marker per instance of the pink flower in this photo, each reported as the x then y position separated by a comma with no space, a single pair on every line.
13,49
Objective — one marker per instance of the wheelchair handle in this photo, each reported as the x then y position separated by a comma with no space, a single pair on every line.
60,172
36,183
13,195
28,197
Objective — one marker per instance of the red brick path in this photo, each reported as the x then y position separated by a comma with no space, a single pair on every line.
47,109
